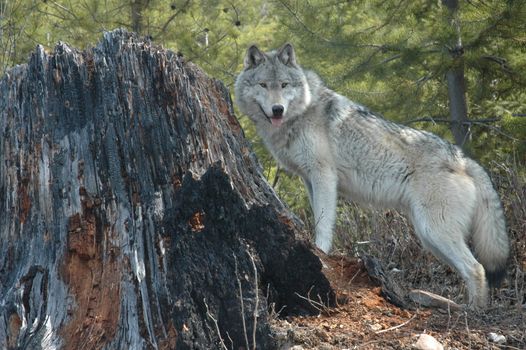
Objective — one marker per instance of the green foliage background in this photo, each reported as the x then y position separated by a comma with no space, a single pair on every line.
389,55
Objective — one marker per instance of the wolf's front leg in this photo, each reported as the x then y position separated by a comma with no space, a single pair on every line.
322,187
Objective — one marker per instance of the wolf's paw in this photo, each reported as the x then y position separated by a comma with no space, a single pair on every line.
323,244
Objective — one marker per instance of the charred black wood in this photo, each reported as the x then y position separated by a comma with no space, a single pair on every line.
133,209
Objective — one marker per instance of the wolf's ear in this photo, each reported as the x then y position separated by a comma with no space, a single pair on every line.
287,56
254,57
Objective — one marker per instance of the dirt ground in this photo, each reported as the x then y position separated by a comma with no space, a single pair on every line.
363,319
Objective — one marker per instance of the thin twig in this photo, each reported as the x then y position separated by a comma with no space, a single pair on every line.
396,327
256,302
172,17
214,320
231,341
467,122
449,121
276,177
298,20
64,8
318,305
354,276
241,302
467,328
480,122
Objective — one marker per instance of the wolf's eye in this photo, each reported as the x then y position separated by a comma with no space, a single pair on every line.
284,85
263,85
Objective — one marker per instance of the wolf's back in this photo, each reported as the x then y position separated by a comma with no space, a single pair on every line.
490,239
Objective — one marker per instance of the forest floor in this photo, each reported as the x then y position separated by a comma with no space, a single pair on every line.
363,319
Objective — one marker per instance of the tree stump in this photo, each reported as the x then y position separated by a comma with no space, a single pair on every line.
133,213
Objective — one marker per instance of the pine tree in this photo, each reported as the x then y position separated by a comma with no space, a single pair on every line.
397,57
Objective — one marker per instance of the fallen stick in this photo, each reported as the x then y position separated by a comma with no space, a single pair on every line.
397,326
432,300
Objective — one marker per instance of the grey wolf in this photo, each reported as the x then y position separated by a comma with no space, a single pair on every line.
339,147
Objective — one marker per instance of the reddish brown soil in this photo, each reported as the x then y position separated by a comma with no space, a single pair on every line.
365,320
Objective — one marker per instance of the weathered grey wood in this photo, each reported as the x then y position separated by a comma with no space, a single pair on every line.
129,198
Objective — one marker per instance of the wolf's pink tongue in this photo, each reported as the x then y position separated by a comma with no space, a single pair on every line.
276,121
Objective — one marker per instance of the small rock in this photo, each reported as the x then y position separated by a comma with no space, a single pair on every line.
496,338
427,342
375,327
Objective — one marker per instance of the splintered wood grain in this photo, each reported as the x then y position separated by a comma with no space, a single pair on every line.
99,151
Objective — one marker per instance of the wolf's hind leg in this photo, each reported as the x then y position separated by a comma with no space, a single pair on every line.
446,241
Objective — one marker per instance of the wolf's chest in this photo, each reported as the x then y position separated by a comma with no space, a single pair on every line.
294,150
290,157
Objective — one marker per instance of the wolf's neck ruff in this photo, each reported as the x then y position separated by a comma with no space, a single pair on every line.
339,147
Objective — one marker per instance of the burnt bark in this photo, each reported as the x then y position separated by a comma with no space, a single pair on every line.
133,210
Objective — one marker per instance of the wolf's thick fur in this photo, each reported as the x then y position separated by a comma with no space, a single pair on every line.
339,147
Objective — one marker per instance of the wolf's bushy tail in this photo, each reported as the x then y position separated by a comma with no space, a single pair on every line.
490,239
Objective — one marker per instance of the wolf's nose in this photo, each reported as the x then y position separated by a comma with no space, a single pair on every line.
277,110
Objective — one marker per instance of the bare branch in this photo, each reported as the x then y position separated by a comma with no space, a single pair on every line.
318,305
214,320
63,8
296,17
486,122
449,121
172,17
241,301
502,62
256,301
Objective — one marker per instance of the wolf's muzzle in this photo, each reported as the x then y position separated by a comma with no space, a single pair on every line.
277,110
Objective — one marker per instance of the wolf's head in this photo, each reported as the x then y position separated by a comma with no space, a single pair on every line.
272,87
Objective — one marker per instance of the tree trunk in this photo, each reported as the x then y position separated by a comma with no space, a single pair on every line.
134,214
137,7
456,83
458,109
